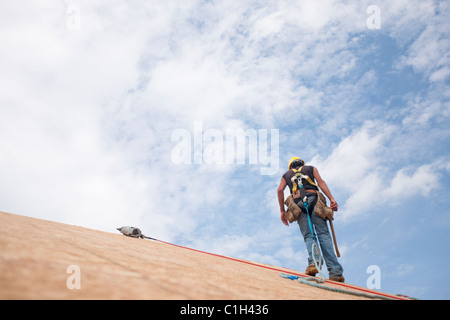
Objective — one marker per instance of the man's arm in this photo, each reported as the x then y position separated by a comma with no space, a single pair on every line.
323,186
280,193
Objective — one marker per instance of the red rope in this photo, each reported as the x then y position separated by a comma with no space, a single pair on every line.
290,271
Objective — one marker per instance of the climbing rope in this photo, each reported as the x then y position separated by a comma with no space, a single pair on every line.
293,274
315,248
318,262
339,290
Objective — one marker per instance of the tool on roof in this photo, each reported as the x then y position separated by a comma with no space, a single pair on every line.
133,232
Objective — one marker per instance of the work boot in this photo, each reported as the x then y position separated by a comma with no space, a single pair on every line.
337,279
311,270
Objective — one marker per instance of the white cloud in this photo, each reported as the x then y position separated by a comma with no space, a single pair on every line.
429,53
440,75
422,181
359,167
360,153
354,167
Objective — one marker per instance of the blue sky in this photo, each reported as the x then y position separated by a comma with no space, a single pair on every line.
93,91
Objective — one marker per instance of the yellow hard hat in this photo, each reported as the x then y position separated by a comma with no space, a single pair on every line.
293,159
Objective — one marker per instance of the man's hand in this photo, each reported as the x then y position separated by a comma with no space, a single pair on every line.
283,218
323,186
333,205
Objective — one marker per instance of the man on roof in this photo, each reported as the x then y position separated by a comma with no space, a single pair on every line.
308,193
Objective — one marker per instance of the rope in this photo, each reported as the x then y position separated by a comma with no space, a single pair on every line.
281,270
315,248
293,273
321,286
318,263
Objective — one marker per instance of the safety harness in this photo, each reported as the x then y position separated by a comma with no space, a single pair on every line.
299,181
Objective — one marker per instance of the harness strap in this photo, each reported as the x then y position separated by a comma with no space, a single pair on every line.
297,180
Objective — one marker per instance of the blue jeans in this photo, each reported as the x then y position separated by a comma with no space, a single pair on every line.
323,234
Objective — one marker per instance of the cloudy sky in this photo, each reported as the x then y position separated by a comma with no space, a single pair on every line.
117,112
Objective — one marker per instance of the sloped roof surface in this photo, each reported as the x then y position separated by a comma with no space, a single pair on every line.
35,256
